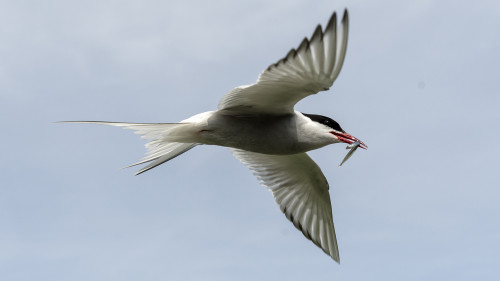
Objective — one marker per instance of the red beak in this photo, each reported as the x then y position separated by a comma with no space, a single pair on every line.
345,137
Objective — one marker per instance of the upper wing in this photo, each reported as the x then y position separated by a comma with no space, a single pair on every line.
301,190
304,71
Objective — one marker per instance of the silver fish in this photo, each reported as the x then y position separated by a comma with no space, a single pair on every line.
353,146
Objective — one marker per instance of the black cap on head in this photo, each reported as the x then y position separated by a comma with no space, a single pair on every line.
325,121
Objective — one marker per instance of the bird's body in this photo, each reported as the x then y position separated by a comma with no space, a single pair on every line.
267,134
258,122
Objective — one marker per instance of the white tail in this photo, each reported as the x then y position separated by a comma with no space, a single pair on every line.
161,148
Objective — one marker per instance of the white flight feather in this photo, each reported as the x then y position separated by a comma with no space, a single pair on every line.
301,190
304,71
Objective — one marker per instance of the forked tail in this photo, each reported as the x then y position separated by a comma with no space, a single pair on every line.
161,147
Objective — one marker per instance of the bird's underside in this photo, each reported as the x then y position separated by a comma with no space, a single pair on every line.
273,147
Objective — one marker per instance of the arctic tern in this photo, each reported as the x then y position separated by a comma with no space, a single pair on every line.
259,124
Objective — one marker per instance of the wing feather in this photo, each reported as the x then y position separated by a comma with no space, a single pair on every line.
343,47
301,191
330,41
317,51
307,70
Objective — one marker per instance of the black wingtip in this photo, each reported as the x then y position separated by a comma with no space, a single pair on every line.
317,33
331,23
303,45
345,17
291,54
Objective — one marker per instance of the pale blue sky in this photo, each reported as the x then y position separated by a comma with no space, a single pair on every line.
419,86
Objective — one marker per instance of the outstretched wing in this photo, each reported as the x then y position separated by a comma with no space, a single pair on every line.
304,71
301,190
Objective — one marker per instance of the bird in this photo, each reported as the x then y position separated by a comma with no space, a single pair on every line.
259,124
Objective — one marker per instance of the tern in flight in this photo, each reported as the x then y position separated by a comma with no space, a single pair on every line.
259,124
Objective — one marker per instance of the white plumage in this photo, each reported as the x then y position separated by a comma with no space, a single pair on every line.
258,122
304,71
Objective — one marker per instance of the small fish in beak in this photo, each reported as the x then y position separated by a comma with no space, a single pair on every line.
353,146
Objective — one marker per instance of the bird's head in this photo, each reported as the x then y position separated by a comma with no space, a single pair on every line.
333,128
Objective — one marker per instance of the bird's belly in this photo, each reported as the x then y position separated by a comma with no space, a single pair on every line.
277,135
267,144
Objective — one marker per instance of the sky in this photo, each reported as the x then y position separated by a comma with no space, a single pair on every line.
419,86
